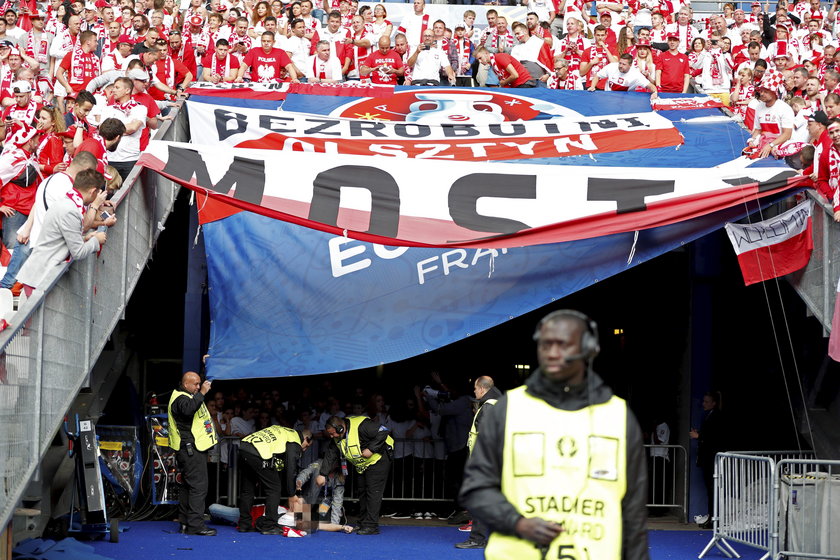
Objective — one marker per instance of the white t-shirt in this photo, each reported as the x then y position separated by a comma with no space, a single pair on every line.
129,147
771,120
429,64
622,81
298,49
663,436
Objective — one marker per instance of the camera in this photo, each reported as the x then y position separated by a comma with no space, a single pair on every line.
430,393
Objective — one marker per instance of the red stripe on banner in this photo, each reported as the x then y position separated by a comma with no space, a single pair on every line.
351,89
467,149
684,103
240,93
427,232
766,263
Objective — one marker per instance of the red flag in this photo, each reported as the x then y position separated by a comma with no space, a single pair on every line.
774,247
834,339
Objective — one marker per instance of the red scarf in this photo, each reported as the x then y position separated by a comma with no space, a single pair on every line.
42,53
423,26
168,71
716,69
219,68
501,41
83,65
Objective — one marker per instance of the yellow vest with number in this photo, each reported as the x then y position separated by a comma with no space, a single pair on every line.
272,440
351,448
473,431
568,467
201,429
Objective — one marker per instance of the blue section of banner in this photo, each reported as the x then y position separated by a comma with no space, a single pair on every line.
286,300
706,143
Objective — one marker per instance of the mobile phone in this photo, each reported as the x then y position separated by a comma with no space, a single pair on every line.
104,215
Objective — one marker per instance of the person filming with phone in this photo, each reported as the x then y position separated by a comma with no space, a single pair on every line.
191,435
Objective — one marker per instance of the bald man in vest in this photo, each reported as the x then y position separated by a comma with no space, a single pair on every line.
486,396
559,468
191,434
262,456
368,447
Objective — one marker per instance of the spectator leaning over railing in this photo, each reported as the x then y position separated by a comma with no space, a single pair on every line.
63,234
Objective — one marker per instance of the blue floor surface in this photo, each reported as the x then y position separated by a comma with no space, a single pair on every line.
154,540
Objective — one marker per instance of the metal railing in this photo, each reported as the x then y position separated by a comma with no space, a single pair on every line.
56,336
816,283
422,479
808,514
668,478
745,503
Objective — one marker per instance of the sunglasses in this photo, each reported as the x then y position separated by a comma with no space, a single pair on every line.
160,42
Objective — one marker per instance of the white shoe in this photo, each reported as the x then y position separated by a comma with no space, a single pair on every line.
290,532
287,519
417,515
429,515
700,519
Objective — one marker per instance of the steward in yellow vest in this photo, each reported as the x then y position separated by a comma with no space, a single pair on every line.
191,434
559,468
360,444
486,396
262,456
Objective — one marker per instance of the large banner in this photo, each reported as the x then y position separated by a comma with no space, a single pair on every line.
288,300
431,134
405,201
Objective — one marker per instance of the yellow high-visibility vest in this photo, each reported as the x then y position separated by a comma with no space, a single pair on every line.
473,431
568,467
351,448
201,429
272,440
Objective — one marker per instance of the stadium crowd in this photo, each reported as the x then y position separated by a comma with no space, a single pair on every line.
98,77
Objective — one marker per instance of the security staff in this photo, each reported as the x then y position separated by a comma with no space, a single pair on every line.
559,468
262,455
191,434
486,395
358,440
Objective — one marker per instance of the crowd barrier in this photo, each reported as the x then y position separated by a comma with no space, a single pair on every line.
808,515
419,479
747,499
668,478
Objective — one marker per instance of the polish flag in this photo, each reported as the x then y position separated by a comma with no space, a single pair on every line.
774,247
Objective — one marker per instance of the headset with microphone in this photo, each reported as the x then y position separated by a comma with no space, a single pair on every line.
339,428
589,346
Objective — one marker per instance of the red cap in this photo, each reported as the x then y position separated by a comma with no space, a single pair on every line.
643,42
673,36
196,20
102,4
69,133
125,39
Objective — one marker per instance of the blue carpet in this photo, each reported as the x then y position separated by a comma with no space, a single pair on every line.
153,540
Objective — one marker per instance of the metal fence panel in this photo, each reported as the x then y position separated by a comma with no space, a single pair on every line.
808,494
56,336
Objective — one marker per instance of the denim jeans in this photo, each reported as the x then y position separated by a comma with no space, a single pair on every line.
10,227
19,256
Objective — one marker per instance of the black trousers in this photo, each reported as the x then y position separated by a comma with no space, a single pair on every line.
371,489
193,490
252,471
479,531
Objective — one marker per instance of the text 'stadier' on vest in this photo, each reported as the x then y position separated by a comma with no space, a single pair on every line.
202,426
568,467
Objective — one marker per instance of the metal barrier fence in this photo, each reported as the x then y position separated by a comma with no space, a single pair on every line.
419,477
808,514
668,478
745,503
56,336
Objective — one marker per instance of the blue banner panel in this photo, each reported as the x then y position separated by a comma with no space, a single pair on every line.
286,300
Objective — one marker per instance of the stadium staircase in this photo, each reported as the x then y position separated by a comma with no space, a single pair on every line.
56,337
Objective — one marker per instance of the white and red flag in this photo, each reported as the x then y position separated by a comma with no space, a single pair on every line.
775,247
